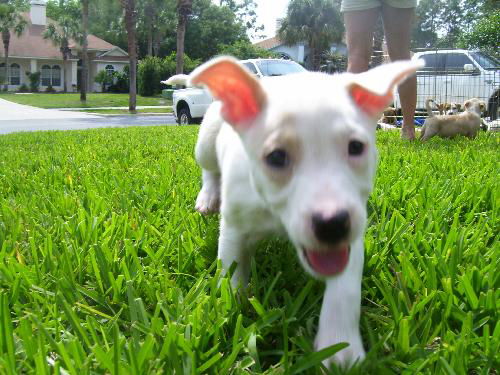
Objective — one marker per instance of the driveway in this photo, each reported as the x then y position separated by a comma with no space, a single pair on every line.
10,111
17,117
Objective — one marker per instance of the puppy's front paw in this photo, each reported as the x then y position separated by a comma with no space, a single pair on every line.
208,201
347,356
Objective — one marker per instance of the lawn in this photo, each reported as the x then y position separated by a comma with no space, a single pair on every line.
72,100
106,268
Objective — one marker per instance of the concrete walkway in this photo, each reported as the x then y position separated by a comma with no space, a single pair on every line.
10,111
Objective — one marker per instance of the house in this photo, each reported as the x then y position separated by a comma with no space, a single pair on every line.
298,52
30,52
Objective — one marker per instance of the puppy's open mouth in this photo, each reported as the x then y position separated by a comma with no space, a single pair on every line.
328,262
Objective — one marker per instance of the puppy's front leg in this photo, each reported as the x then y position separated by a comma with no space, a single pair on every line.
339,318
233,247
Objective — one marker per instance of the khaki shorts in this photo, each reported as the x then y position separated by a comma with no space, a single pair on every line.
353,5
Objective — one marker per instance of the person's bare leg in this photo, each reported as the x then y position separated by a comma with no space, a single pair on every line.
360,25
397,25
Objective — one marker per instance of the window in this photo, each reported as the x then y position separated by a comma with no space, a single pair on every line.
56,75
434,62
110,69
273,68
250,67
15,74
46,76
456,61
487,62
2,73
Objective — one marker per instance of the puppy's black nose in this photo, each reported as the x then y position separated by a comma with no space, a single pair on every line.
331,229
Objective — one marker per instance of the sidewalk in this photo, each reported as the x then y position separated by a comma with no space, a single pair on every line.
89,109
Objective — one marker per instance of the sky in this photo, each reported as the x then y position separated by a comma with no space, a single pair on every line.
268,11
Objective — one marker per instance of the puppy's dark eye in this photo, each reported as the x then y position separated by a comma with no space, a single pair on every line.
356,148
277,159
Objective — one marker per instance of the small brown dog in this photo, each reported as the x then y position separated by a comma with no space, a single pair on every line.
466,123
389,116
443,108
455,109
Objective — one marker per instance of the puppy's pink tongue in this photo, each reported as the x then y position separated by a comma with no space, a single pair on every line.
329,263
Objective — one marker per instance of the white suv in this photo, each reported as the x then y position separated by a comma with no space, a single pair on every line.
190,105
453,76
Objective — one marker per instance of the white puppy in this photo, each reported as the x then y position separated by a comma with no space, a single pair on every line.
296,155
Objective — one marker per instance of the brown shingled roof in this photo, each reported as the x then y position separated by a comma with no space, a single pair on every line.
94,43
32,44
269,43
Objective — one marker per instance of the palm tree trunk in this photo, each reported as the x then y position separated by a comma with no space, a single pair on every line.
183,10
150,40
315,63
85,57
6,44
149,11
156,43
65,63
130,25
181,33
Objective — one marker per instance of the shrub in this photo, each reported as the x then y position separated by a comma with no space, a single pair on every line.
121,81
244,50
148,74
23,88
34,81
103,78
50,89
152,70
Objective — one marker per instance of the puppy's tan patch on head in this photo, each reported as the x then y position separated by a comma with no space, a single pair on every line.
282,142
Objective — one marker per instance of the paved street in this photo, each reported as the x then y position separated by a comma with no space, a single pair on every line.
16,117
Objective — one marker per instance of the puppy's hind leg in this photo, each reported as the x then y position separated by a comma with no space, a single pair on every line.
208,200
422,132
429,133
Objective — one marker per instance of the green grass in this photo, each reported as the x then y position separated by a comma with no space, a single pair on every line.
72,100
126,111
106,268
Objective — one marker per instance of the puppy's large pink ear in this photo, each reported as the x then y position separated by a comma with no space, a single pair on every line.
241,94
372,90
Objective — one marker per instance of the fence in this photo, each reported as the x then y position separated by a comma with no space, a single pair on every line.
454,76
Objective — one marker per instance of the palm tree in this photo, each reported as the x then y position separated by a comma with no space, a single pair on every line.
11,19
184,8
85,55
130,25
66,29
316,22
150,21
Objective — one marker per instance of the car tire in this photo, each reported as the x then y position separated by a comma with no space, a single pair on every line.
184,116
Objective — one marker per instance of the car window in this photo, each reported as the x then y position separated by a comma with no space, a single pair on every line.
273,68
434,62
456,61
251,67
487,62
